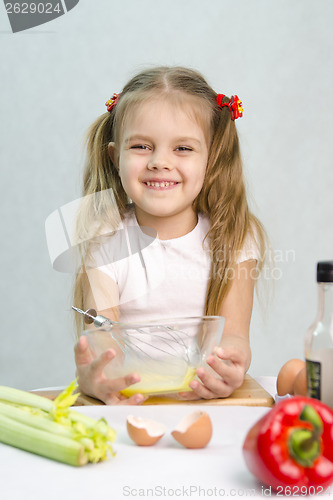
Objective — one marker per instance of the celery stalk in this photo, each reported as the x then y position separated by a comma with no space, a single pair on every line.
11,395
42,443
52,428
42,423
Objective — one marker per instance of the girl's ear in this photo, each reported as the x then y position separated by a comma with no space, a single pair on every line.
112,153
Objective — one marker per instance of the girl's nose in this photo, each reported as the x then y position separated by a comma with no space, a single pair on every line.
158,163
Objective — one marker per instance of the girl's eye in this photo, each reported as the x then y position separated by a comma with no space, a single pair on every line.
183,148
140,146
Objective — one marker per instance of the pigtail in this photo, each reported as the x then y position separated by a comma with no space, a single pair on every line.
100,172
223,198
103,202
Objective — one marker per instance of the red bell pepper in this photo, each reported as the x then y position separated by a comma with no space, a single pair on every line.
292,447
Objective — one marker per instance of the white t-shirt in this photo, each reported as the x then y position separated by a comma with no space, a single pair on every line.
159,278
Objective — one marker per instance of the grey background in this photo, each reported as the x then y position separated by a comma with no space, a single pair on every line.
55,79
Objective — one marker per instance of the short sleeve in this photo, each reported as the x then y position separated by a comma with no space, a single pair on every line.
103,288
100,259
249,250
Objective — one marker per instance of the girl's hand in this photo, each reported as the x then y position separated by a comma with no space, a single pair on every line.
93,382
232,359
229,364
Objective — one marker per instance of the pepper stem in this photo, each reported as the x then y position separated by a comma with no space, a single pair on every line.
309,414
304,447
304,444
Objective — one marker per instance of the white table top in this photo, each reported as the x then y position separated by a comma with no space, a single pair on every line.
166,470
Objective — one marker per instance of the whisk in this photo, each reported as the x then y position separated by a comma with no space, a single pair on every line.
172,342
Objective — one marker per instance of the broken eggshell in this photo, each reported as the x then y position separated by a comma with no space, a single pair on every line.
144,432
194,431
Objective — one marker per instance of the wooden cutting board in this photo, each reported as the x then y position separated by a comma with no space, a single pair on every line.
249,394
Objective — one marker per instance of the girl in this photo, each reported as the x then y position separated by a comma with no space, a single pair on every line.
168,149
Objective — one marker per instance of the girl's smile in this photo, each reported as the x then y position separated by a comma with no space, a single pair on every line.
160,184
162,163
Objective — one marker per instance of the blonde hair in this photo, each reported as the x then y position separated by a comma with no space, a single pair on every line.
223,194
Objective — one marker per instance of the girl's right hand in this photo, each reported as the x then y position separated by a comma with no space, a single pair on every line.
93,382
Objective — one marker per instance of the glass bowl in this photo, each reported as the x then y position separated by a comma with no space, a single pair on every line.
165,353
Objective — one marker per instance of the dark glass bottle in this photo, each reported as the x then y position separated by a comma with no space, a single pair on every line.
319,340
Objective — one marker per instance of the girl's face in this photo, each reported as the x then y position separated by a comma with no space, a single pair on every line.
162,158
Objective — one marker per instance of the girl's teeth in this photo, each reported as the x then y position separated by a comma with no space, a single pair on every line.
160,184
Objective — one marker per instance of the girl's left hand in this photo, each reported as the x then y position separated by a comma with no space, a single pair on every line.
230,364
233,357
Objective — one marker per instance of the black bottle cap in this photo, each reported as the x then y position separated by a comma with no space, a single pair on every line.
325,272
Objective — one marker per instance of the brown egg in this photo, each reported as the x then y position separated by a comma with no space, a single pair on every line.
144,432
287,376
194,431
300,386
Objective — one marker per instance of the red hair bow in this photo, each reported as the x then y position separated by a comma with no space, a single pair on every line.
234,105
112,102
